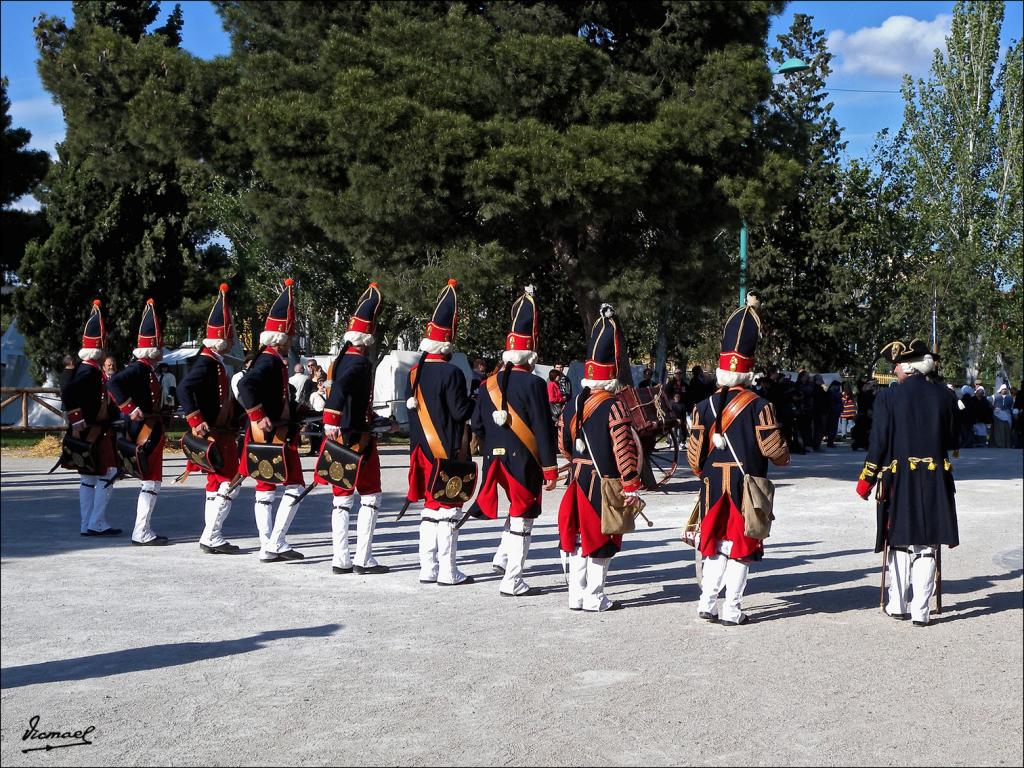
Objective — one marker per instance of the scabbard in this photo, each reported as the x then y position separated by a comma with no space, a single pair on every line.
402,512
305,490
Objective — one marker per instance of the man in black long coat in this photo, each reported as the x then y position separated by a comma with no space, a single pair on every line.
914,429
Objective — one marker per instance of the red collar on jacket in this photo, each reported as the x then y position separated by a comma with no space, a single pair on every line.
523,368
432,358
355,351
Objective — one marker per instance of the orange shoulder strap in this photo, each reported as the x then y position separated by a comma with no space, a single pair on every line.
426,423
515,421
595,399
732,410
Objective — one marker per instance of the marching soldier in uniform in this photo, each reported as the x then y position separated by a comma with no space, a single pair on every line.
734,432
908,456
88,410
595,433
439,406
136,390
347,420
512,421
206,396
263,392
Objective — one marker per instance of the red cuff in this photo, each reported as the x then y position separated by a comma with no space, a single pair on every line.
126,407
75,416
550,473
864,488
195,419
255,414
630,487
332,418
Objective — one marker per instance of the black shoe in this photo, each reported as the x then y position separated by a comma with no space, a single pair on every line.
428,581
707,616
497,569
291,554
530,591
921,623
467,580
575,609
336,569
274,559
159,541
107,532
372,569
742,620
899,616
615,606
221,549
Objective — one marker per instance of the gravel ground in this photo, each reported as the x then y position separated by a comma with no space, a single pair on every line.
181,658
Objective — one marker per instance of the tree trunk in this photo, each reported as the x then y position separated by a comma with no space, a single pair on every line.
972,357
661,346
587,300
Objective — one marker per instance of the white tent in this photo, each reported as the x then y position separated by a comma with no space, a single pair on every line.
16,373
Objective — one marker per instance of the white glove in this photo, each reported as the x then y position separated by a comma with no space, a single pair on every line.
331,431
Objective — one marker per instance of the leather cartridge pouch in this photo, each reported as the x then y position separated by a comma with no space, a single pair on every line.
133,455
79,453
758,500
264,455
203,452
338,465
452,481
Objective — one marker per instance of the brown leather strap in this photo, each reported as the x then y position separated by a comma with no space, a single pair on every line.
732,410
426,423
595,399
515,421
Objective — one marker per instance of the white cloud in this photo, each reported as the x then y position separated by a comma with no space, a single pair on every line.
35,110
901,45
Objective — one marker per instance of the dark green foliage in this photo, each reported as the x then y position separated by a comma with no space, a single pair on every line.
23,169
595,147
794,257
119,199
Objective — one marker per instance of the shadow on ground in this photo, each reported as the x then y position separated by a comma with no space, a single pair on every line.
148,658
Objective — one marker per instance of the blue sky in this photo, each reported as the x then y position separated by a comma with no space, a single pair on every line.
874,43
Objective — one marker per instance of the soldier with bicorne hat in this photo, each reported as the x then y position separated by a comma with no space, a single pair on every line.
136,390
439,407
211,413
908,455
264,393
596,434
512,421
347,417
734,432
89,410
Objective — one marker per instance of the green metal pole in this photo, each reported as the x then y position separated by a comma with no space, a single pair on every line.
743,263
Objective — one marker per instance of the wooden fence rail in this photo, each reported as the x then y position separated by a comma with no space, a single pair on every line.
10,394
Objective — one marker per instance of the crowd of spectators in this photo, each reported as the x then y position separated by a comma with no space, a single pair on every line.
810,413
